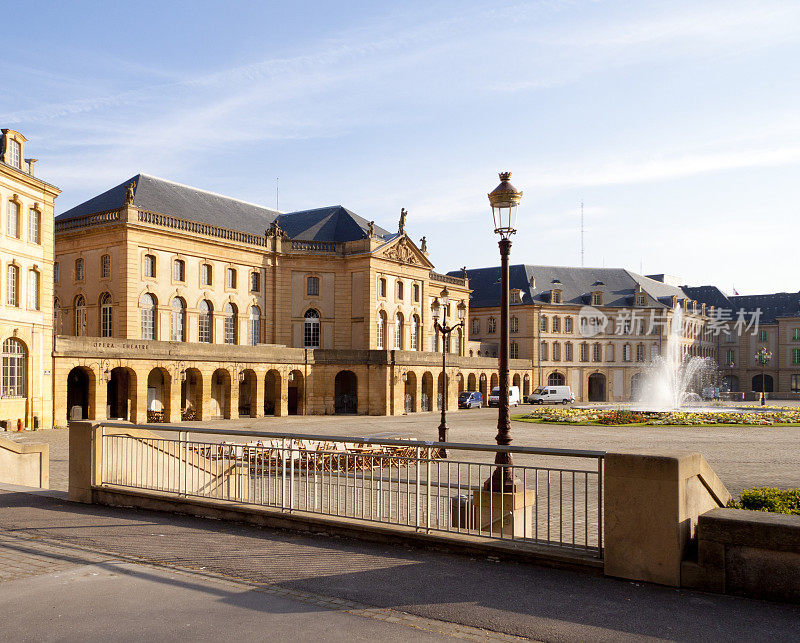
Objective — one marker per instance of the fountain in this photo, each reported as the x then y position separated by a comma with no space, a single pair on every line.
673,380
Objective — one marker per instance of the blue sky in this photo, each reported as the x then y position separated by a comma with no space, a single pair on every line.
676,123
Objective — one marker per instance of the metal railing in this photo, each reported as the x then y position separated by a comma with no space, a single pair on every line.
404,483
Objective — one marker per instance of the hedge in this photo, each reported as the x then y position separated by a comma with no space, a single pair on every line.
772,499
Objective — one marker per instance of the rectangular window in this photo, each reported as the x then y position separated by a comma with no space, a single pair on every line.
514,351
796,335
626,353
178,270
312,286
597,299
416,293
556,324
34,225
584,352
230,278
596,353
543,351
556,352
204,327
55,272
568,352
382,288
33,290
255,282
568,324
399,294
762,335
11,286
205,274
796,356
640,353
148,323
610,353
14,153
795,383
105,266
149,266
12,229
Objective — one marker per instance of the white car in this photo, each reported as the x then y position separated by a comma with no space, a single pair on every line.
513,396
551,394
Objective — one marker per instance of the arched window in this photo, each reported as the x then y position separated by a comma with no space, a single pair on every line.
106,318
381,340
555,379
491,325
12,380
415,333
80,316
177,324
543,323
311,329
12,285
515,324
148,314
231,324
398,328
204,322
254,325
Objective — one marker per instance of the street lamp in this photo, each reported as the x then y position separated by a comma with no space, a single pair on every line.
762,357
440,309
504,200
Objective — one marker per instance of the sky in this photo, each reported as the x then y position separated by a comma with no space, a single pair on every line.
675,123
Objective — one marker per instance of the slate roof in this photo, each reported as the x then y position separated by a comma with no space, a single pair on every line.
708,295
779,304
333,223
182,201
576,285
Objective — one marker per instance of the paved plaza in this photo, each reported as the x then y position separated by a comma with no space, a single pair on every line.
743,457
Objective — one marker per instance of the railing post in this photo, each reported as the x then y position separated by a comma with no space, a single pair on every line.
291,475
599,507
283,473
183,462
428,491
417,487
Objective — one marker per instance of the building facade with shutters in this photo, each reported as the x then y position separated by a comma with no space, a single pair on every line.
172,302
26,291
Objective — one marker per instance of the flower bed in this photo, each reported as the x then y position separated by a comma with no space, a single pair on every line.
622,417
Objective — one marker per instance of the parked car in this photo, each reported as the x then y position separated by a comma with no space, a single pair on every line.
513,396
470,400
551,394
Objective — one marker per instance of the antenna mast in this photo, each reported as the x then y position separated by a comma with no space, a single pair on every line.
582,234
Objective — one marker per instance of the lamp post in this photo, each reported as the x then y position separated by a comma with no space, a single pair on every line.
504,200
762,357
440,309
731,366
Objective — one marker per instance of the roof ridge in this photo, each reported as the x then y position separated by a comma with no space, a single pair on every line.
192,187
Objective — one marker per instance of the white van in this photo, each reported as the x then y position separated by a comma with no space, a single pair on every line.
554,394
513,396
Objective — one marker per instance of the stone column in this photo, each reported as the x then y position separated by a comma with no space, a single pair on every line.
174,395
141,396
233,403
85,460
99,409
282,398
258,398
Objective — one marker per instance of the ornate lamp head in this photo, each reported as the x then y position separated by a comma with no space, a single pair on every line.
504,200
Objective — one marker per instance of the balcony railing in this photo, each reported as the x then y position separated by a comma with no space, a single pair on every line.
401,483
313,246
85,221
167,221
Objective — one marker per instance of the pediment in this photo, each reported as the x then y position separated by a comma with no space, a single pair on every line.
405,251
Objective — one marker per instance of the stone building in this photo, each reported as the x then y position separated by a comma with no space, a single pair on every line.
745,323
594,329
172,302
26,295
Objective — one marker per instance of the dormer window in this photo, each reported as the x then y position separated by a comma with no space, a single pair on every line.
641,299
516,296
597,298
555,296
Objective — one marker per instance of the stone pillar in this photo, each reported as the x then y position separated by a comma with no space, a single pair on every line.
141,396
258,397
174,395
233,403
652,502
84,460
100,399
282,398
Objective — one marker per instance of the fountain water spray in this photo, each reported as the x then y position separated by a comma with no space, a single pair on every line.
673,379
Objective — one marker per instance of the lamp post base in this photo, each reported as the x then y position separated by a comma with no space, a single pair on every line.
502,479
443,437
